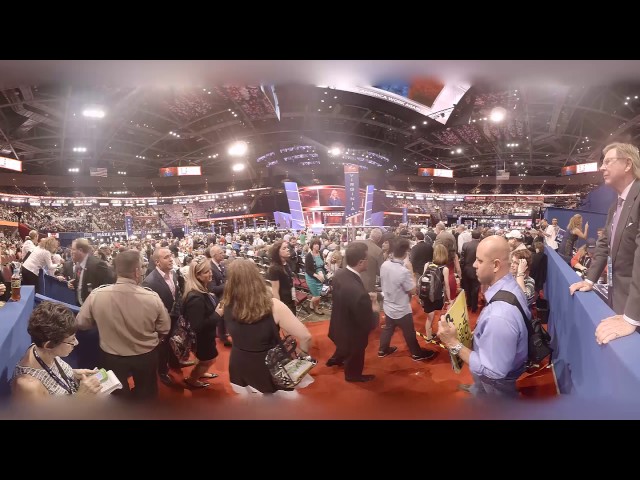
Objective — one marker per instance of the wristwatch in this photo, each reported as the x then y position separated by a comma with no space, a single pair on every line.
455,350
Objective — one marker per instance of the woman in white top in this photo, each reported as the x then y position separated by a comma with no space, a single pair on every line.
39,258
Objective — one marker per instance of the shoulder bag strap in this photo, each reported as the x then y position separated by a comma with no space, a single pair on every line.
510,298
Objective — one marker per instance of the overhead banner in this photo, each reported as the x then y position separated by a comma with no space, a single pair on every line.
352,190
11,164
295,206
458,314
368,205
128,225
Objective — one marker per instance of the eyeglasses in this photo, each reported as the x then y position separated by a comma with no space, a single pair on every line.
608,161
74,343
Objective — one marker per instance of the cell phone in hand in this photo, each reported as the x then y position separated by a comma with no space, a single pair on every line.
101,375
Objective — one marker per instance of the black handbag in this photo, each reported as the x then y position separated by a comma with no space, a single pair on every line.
286,369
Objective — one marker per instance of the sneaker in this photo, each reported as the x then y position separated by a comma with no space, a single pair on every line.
424,355
389,351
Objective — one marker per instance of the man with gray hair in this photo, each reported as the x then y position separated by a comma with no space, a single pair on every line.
463,237
618,247
374,260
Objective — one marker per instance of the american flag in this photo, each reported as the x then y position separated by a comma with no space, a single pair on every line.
98,172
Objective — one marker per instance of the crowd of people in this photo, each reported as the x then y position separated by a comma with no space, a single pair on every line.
211,287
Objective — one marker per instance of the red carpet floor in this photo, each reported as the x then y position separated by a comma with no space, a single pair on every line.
416,386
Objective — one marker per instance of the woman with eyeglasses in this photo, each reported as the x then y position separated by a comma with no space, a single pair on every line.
41,372
254,319
198,308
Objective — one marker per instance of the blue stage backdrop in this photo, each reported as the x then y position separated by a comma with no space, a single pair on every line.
352,190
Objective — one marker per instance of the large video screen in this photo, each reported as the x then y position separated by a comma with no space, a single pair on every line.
180,171
322,196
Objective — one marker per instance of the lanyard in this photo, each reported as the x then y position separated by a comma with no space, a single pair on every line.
67,384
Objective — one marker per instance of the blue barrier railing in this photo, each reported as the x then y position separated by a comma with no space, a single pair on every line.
582,366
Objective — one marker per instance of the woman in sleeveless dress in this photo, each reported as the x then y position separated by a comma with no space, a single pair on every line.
574,231
254,320
41,372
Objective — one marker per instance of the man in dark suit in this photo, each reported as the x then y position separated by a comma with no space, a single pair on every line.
618,248
469,281
85,272
421,253
217,287
164,281
353,316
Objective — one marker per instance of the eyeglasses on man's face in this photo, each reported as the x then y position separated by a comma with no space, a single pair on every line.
608,161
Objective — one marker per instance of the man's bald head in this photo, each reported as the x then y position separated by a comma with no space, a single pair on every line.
217,254
492,260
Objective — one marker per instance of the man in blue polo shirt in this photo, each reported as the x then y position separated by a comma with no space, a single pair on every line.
398,286
500,339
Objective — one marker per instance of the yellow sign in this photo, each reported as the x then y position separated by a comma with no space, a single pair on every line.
458,314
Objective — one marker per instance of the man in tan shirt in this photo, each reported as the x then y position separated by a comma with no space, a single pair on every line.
131,320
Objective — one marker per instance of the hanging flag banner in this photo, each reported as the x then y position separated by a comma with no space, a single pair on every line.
128,225
352,190
368,205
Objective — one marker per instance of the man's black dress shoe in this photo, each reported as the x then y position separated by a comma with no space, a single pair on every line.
361,378
331,362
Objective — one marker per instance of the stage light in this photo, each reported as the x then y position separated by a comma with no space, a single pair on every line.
335,151
238,149
238,167
93,111
498,114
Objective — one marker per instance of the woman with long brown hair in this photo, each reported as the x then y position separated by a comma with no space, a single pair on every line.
198,308
254,319
280,275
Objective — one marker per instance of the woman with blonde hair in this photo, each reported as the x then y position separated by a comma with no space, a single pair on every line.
40,258
574,231
440,260
254,319
199,309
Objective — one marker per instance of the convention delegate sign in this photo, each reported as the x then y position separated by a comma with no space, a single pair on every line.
352,190
458,314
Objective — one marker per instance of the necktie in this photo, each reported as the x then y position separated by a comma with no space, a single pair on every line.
616,217
78,286
172,287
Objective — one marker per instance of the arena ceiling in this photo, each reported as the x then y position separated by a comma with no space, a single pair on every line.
151,124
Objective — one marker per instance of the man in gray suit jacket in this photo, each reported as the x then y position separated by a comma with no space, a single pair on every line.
621,171
374,260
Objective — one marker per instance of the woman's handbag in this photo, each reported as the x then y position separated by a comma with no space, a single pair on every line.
287,370
183,340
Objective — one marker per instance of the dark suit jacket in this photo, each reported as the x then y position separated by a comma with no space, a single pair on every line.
468,258
421,253
217,283
156,282
625,256
96,273
539,269
352,317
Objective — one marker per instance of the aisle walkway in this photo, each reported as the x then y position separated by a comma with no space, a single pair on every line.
402,387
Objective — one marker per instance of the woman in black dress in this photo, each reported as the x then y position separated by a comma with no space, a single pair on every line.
280,274
574,231
198,308
254,318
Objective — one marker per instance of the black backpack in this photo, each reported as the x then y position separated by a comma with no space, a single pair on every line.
539,339
431,284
